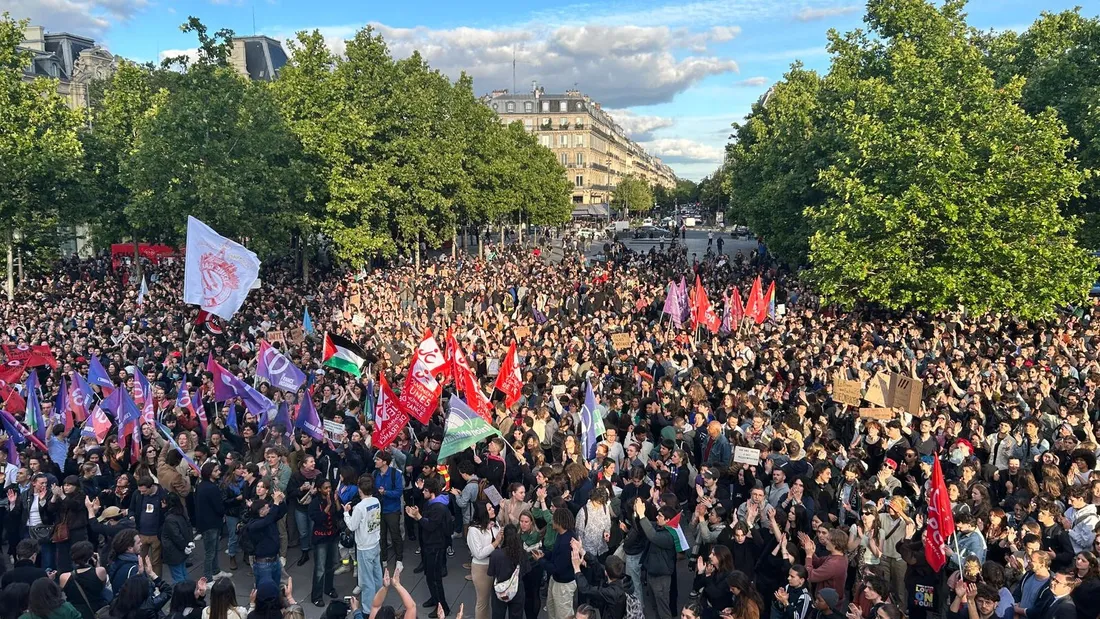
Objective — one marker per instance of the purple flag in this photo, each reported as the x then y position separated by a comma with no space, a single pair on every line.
588,422
168,435
81,396
283,417
276,369
231,417
99,376
671,302
308,420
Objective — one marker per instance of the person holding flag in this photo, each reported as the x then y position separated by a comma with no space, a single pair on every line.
663,543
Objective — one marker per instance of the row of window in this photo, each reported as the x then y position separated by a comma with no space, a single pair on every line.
546,106
575,140
565,159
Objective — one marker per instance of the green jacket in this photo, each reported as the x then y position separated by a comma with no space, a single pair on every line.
65,611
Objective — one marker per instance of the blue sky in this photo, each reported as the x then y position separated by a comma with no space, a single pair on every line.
675,74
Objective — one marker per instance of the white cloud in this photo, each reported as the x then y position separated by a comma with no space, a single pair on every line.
697,14
90,18
639,127
191,54
618,66
682,150
752,82
784,54
814,14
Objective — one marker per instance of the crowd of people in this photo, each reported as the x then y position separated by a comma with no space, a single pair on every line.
827,521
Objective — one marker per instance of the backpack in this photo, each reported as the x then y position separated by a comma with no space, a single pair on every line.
633,607
506,590
245,539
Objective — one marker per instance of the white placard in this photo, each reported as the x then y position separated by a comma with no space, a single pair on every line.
335,432
746,455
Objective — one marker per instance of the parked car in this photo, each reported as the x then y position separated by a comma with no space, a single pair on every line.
588,233
653,232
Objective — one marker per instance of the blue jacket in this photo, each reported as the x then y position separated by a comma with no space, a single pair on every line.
970,545
209,506
720,452
394,484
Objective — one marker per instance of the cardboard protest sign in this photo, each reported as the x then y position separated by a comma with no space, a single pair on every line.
297,335
622,341
878,390
276,336
882,414
746,455
847,391
521,332
906,392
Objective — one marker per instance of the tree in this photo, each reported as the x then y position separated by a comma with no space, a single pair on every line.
942,190
1059,58
40,153
772,166
215,147
634,194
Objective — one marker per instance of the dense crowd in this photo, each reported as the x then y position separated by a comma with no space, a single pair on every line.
827,521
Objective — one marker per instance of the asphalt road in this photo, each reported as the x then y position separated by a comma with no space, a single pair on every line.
459,590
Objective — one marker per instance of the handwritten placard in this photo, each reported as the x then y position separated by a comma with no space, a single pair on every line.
359,320
878,390
882,414
297,335
277,336
622,341
906,392
847,391
521,332
493,496
746,455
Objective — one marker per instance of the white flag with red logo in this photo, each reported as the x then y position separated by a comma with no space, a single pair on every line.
218,272
430,354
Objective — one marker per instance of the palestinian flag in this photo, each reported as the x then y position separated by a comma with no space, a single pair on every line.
343,354
673,527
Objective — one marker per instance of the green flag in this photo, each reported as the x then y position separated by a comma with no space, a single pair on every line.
465,428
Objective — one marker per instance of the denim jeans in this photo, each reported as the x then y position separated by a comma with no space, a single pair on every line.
178,572
268,569
48,554
305,529
233,546
324,568
634,569
370,574
210,541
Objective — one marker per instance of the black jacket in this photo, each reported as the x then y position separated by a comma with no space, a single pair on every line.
174,538
24,571
608,596
436,524
209,506
263,532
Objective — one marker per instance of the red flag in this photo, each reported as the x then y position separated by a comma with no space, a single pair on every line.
703,312
756,300
210,321
737,313
767,303
12,371
389,418
941,523
32,356
420,396
510,379
11,401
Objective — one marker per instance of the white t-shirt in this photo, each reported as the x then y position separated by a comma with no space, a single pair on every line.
365,520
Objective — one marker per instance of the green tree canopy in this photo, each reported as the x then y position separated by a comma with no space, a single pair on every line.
919,180
634,194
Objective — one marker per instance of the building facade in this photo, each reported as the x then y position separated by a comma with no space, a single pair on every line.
591,146
257,57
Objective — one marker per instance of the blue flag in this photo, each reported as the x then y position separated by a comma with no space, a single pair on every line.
11,427
231,417
307,323
99,376
308,420
168,435
588,422
282,416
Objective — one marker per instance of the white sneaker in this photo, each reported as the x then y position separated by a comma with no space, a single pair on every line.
398,567
343,569
357,590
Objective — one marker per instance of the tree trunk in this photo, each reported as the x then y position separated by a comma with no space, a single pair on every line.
417,253
137,259
502,237
454,243
11,270
305,262
480,244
